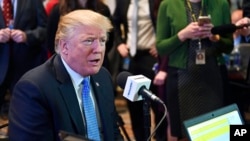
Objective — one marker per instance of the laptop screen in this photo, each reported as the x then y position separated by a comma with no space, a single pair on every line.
213,126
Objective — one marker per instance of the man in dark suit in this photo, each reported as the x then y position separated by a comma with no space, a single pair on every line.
246,13
21,42
245,32
144,58
47,99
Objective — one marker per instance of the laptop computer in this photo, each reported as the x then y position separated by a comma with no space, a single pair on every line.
214,125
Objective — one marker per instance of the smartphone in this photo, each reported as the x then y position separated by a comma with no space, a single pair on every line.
204,20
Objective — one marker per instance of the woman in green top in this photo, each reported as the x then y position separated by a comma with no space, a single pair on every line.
194,84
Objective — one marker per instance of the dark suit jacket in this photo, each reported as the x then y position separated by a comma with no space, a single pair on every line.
44,102
120,18
30,18
246,8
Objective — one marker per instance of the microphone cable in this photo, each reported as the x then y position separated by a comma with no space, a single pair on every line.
157,126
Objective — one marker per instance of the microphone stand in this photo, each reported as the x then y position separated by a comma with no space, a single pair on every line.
147,118
121,124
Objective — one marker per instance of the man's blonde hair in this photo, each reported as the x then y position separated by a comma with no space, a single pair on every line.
68,23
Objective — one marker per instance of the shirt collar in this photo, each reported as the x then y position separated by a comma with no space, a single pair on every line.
75,77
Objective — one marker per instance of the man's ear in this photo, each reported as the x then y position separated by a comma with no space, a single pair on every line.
63,45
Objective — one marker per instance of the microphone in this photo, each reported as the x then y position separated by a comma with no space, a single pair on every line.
136,86
227,28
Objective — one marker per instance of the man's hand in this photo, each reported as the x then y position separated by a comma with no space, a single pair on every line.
18,36
246,30
123,50
160,78
153,51
5,35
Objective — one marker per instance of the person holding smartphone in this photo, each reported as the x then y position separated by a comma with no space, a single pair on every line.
194,83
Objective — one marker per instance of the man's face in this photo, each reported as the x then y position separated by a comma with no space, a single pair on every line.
84,51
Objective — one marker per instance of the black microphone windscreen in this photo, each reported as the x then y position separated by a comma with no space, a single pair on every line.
224,29
122,78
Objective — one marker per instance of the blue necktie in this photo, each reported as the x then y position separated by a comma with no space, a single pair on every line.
89,112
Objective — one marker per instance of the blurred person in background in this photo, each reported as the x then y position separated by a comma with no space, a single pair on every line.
22,38
138,58
159,81
49,5
192,83
245,32
235,17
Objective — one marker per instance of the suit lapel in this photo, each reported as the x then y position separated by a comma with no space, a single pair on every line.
67,90
2,24
19,6
97,91
69,95
100,99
